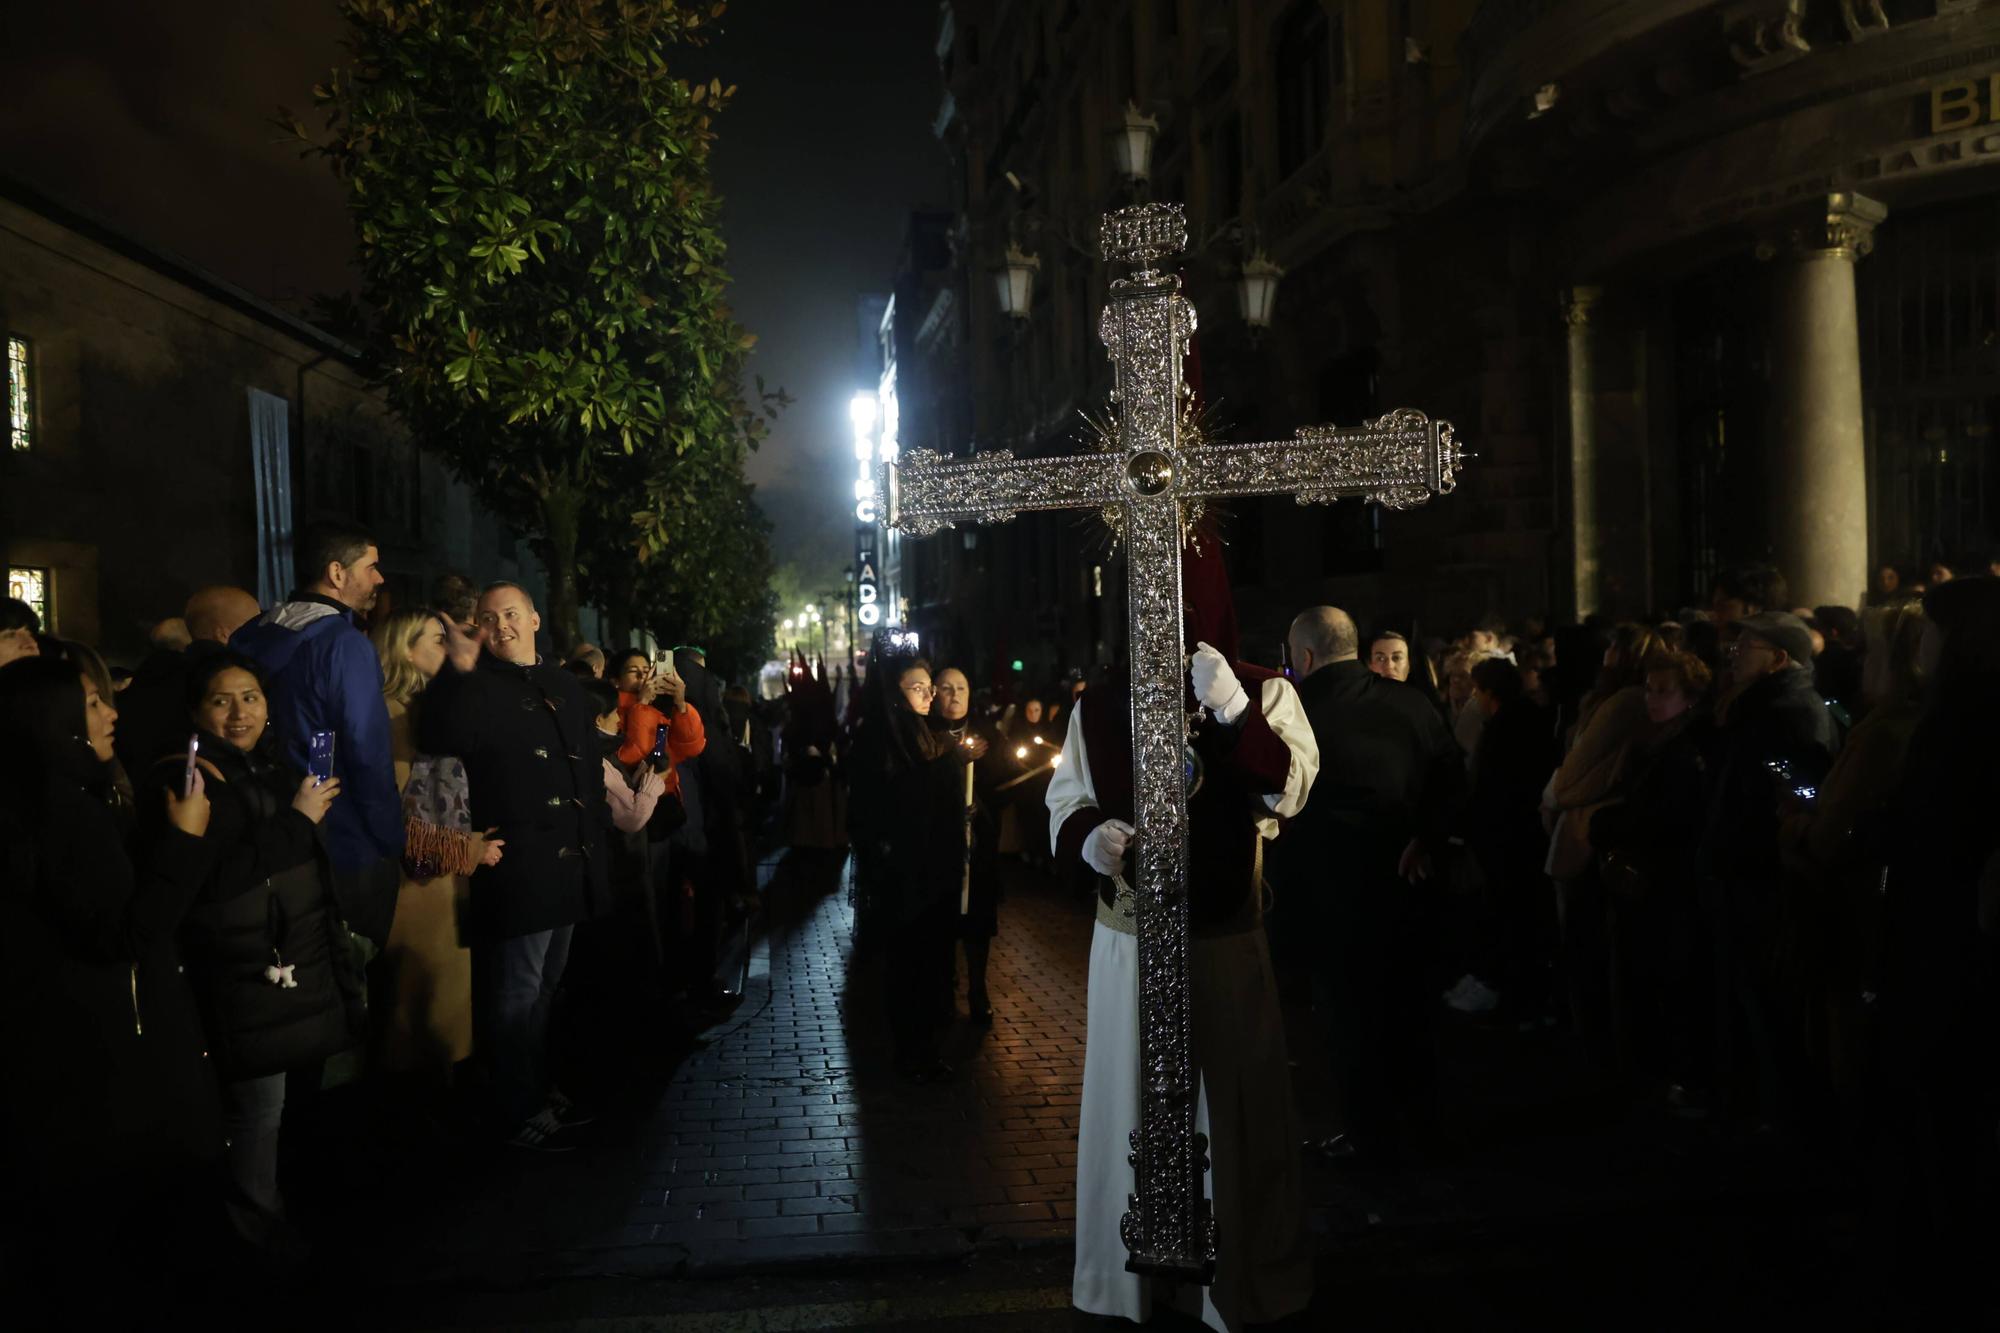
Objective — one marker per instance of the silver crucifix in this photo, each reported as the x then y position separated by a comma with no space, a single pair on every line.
1142,481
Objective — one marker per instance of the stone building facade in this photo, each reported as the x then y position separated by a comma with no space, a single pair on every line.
1699,282
168,430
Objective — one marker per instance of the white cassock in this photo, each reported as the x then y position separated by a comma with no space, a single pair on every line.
1244,1103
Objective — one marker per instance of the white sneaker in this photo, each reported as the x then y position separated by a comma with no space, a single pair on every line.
1453,995
1478,998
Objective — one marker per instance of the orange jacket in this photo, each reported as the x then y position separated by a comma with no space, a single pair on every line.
642,723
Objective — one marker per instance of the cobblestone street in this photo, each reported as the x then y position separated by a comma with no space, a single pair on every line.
790,1138
787,1163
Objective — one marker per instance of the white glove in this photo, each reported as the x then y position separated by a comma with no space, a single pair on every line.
1215,684
1104,850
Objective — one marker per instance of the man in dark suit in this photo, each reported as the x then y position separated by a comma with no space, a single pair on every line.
1353,871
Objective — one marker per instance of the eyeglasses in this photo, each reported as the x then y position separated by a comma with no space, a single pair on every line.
1748,645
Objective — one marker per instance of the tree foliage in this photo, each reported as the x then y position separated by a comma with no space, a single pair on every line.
540,250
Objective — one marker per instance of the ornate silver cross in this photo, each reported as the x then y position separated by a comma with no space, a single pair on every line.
1141,481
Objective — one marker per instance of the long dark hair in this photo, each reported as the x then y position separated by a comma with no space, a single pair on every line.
44,740
42,728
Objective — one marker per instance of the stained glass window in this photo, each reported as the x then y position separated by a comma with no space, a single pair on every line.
31,585
20,395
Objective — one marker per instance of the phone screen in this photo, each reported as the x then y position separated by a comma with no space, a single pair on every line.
187,774
660,741
319,757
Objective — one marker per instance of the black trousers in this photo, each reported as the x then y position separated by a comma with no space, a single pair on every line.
1375,988
919,963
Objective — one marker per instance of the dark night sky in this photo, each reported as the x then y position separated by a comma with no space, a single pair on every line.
162,127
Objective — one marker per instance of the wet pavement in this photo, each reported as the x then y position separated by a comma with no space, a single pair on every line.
785,1175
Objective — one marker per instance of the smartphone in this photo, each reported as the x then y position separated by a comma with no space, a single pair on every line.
187,774
660,741
319,757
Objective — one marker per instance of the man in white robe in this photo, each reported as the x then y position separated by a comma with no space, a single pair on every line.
1259,760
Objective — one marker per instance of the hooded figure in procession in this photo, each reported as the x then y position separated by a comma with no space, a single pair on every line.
1257,760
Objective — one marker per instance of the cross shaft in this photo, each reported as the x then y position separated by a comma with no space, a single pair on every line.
1399,460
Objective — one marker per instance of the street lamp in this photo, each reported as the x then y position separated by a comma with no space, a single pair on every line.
1014,279
1132,145
1257,291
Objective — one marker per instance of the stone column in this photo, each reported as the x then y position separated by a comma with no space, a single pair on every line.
1579,306
1818,474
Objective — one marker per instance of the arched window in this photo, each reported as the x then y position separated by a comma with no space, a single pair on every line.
1303,58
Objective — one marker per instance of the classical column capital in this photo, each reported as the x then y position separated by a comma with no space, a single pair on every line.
1839,226
1579,304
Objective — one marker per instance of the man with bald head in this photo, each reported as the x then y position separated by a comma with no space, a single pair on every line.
152,714
1353,874
215,613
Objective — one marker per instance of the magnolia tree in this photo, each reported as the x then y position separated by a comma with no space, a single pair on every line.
542,266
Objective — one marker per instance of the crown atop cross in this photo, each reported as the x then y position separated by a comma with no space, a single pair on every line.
1143,235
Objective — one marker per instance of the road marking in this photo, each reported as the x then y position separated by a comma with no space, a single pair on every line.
802,1318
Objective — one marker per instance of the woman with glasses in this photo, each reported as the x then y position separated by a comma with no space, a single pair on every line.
906,819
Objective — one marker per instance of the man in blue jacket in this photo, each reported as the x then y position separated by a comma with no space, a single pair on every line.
324,676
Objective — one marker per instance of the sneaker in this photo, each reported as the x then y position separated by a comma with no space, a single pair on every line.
540,1132
1476,998
567,1113
1452,996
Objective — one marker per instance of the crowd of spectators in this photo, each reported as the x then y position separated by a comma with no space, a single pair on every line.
1737,852
326,842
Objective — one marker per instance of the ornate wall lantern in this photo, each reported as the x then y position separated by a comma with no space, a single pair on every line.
1257,291
1014,281
1132,145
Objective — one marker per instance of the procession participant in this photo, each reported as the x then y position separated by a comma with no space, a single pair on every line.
815,804
908,822
1351,877
979,900
535,775
1258,759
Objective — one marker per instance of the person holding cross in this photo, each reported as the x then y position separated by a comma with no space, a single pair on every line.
1254,760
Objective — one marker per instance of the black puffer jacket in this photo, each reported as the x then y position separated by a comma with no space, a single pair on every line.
108,1075
267,902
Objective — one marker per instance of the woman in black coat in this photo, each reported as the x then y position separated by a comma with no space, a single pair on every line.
907,818
266,954
111,1103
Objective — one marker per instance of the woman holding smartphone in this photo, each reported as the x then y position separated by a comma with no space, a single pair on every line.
265,950
114,1114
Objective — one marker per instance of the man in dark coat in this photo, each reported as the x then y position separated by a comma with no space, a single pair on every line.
1775,742
1351,872
525,729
